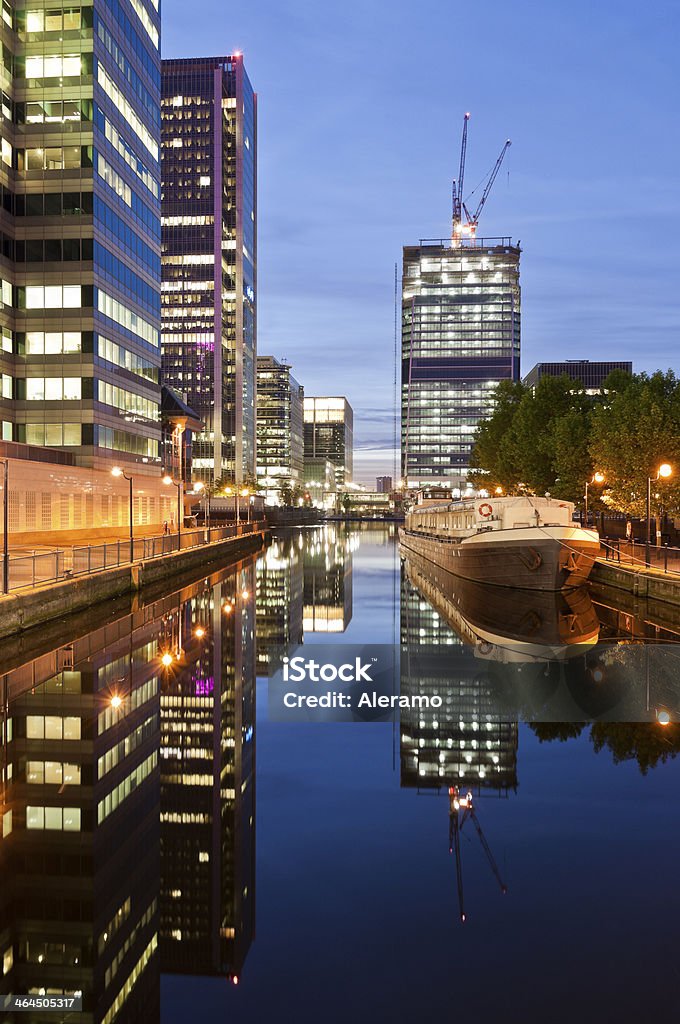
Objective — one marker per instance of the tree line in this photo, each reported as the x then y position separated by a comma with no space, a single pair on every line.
553,437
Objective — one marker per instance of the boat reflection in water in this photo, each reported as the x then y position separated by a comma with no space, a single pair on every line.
128,799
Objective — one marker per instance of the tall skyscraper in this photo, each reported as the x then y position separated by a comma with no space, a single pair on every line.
280,432
383,484
209,256
80,255
329,434
460,337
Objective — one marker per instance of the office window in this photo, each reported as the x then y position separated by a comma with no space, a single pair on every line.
58,296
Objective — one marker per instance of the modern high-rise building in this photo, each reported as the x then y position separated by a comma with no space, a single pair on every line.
329,434
592,374
280,431
460,338
383,484
209,256
80,227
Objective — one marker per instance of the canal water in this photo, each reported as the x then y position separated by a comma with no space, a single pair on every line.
170,853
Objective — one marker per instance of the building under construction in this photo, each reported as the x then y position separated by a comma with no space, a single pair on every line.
460,338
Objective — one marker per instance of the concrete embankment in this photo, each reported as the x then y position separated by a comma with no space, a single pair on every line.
28,608
651,584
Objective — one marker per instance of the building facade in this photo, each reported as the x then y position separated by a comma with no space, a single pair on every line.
209,257
80,231
280,431
383,484
591,374
329,434
460,338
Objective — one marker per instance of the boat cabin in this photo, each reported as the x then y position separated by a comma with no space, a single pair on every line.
480,515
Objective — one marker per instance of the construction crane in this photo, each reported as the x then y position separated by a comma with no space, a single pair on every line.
464,223
457,804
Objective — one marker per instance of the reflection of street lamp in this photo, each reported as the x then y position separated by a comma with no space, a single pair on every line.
663,717
117,471
5,535
662,473
168,480
597,478
199,487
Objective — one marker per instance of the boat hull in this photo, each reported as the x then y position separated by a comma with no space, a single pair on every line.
548,558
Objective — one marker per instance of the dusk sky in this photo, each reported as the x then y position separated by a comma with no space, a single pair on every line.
360,113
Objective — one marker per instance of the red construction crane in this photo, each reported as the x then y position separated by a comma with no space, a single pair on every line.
464,223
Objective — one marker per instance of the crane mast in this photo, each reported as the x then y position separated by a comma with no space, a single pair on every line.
464,223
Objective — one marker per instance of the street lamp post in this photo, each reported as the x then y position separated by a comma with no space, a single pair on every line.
597,478
178,484
663,472
5,524
117,471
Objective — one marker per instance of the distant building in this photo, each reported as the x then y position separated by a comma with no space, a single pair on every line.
460,338
280,431
365,502
209,241
327,594
591,374
383,484
329,434
279,593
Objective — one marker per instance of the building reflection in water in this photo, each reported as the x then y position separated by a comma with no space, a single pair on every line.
208,780
327,598
80,844
465,742
128,802
280,584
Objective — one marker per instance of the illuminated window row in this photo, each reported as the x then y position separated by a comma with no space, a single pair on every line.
52,772
55,66
122,441
54,296
52,727
128,111
60,819
53,389
122,996
127,401
53,435
143,15
114,180
130,158
125,746
122,791
127,318
115,353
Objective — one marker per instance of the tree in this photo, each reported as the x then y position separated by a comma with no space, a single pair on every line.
644,742
634,430
536,439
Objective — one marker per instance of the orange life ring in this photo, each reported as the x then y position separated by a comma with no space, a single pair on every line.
485,510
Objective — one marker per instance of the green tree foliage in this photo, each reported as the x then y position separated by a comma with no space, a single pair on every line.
644,742
634,430
536,440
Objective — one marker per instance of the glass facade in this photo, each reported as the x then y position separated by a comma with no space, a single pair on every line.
280,437
460,337
591,374
80,224
329,434
209,256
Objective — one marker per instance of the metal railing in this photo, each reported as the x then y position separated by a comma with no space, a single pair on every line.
31,569
634,553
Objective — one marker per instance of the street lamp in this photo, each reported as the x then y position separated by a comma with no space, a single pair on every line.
168,480
597,478
117,471
662,473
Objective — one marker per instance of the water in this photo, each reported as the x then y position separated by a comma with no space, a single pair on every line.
175,855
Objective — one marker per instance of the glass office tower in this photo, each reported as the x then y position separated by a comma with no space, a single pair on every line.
280,438
329,434
460,337
209,162
80,255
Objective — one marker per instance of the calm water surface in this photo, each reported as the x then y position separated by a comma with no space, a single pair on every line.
176,856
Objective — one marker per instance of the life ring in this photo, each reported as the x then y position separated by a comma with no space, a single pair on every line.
485,510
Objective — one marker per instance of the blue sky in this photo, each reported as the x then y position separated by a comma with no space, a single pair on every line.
360,111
